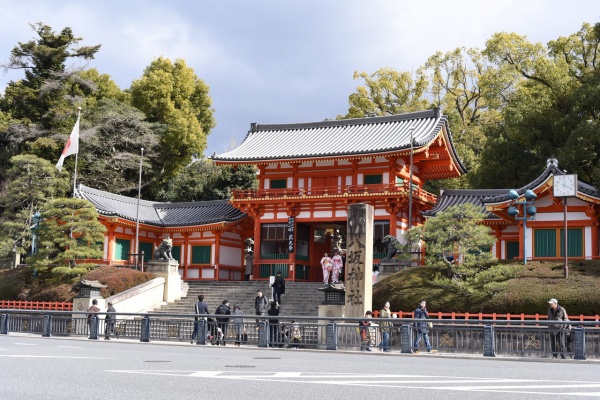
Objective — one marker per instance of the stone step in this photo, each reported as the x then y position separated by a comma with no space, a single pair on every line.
301,299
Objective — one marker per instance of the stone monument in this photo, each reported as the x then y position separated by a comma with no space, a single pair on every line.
88,291
359,260
354,297
165,266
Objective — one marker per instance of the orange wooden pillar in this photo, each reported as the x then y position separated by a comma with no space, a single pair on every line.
217,253
110,245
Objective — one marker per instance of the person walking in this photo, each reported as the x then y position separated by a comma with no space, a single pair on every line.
278,287
337,265
109,322
222,322
273,325
249,264
365,332
558,332
238,323
199,308
326,264
260,305
385,327
422,327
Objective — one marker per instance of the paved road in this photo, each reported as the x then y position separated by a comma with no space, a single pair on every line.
32,367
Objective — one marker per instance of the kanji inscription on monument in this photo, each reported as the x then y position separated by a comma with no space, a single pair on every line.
359,260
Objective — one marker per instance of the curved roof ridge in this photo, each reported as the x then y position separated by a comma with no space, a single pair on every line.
344,122
352,137
161,214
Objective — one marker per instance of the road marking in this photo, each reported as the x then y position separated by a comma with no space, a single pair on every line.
59,357
25,344
71,347
448,383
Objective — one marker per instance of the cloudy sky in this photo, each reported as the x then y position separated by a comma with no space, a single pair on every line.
282,61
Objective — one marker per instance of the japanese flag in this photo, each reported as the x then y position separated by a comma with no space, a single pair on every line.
72,146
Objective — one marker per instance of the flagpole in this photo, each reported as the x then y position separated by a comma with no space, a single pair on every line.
76,155
137,215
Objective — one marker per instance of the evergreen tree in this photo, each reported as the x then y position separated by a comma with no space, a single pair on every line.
70,231
32,181
456,241
203,180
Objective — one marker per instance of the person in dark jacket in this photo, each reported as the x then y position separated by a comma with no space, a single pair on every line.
558,332
109,322
222,322
273,324
260,305
278,287
421,327
365,332
238,323
199,308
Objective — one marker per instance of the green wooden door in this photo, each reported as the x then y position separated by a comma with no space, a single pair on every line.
122,249
575,242
176,253
148,249
512,250
200,254
544,243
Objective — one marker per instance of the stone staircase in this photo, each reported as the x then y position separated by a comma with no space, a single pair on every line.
301,298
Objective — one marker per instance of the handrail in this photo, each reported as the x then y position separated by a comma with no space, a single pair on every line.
344,190
488,316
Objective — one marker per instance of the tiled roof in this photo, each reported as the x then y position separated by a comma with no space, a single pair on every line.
481,197
452,197
551,169
161,214
340,138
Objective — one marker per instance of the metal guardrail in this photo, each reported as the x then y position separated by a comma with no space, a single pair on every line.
490,338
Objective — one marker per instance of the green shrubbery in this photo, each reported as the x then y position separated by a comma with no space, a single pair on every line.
48,286
509,287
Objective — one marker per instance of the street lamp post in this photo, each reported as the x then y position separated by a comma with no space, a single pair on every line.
137,216
410,180
527,215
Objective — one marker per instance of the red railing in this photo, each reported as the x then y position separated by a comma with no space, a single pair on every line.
36,305
346,190
490,316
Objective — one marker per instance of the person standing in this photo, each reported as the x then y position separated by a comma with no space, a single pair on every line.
249,264
278,287
238,323
422,328
327,267
273,324
222,322
199,308
336,267
558,332
385,327
260,305
365,332
109,321
92,311
296,336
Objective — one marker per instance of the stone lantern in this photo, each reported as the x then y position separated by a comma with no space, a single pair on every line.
88,291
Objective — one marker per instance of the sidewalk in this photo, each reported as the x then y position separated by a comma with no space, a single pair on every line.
393,353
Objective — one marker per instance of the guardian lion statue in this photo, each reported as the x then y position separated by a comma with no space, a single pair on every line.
163,252
390,243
